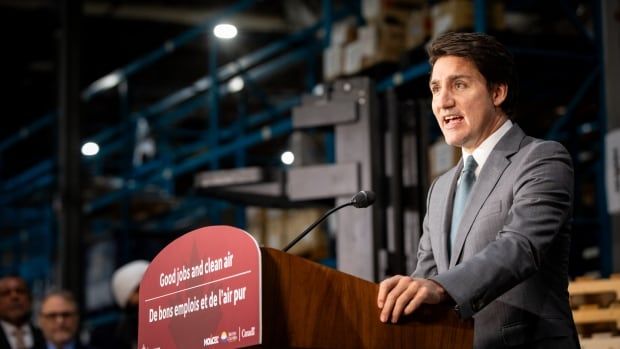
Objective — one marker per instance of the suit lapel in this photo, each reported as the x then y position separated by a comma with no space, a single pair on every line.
496,164
447,197
4,341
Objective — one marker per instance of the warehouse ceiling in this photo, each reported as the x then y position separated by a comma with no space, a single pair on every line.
117,32
266,16
114,34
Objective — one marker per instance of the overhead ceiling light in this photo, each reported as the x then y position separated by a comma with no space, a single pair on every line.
287,157
235,84
109,81
90,149
225,31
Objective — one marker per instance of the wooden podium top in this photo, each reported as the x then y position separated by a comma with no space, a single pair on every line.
307,305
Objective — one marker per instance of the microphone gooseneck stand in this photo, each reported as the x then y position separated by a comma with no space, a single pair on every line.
362,199
301,236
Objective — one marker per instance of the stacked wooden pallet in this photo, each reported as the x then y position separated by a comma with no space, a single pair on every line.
596,310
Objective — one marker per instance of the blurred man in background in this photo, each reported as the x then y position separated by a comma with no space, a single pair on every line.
59,320
15,311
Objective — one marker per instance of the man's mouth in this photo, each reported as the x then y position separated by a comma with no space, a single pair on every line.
451,119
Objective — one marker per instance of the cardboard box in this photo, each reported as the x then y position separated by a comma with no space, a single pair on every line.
394,16
376,9
497,15
343,32
353,55
381,43
376,43
455,15
418,28
452,15
333,62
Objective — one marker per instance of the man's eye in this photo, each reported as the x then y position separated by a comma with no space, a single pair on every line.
459,85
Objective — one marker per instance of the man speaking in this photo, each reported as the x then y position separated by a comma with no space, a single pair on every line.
496,233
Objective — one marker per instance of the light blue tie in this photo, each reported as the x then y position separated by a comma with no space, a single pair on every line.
468,178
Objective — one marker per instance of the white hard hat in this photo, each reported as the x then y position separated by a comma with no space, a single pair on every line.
126,279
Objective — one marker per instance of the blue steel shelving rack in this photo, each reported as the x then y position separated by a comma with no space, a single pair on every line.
30,246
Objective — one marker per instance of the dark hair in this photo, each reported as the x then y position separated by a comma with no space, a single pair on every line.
64,294
20,278
491,58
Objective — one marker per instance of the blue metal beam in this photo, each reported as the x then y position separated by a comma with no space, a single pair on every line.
26,177
17,217
264,134
27,131
183,217
201,85
327,22
110,80
252,87
43,181
224,134
558,127
252,121
569,11
204,84
257,73
268,132
480,16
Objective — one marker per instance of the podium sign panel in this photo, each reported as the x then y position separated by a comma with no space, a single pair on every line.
203,290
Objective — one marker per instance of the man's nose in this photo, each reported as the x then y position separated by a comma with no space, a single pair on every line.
59,320
445,100
15,293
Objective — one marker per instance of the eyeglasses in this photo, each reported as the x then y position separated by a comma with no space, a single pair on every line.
63,315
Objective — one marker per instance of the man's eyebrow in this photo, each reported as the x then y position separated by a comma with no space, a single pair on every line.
460,76
451,78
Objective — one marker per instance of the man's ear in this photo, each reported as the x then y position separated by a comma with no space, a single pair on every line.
500,92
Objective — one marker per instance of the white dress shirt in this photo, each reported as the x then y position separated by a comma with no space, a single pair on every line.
9,331
482,152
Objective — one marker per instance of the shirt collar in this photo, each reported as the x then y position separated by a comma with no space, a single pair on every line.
70,345
482,152
8,329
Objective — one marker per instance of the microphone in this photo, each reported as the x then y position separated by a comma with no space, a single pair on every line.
362,199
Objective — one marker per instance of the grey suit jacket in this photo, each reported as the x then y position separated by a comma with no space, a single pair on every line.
509,263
